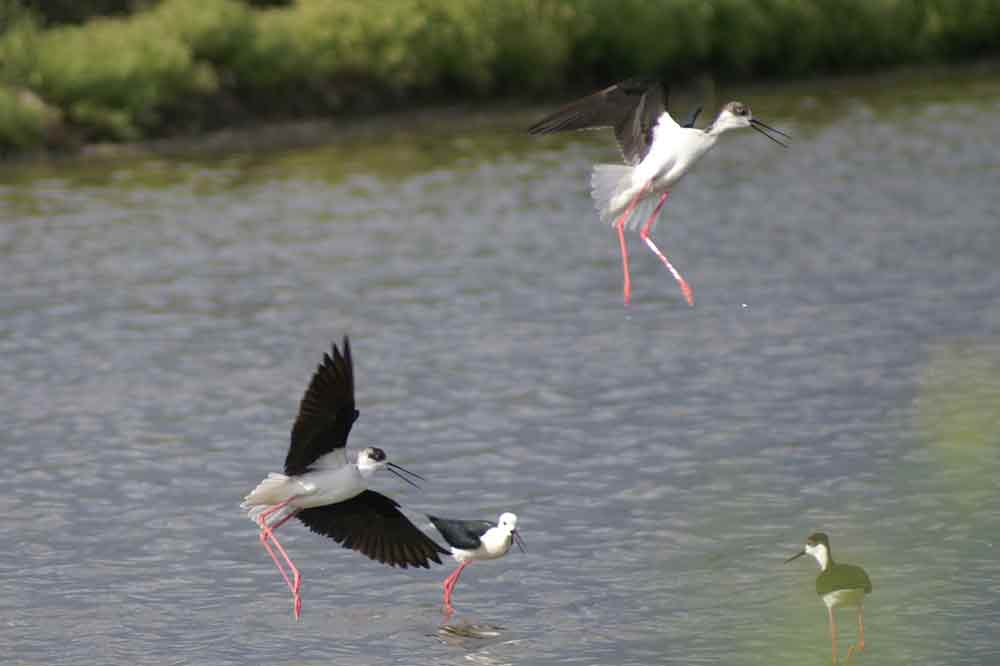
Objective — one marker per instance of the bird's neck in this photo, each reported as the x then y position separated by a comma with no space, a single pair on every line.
824,558
715,130
366,471
497,540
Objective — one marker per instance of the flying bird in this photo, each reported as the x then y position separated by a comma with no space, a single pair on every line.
472,540
657,152
839,586
330,494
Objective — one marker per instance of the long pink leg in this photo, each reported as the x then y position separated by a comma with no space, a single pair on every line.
833,634
620,228
627,288
685,287
267,533
861,630
860,647
449,584
295,583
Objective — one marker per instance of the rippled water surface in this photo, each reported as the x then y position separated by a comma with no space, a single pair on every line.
160,318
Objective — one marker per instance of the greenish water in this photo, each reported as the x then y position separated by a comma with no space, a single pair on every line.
162,312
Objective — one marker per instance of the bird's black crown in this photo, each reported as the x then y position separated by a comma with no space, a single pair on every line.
817,538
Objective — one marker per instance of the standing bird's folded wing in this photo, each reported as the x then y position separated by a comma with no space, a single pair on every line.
463,534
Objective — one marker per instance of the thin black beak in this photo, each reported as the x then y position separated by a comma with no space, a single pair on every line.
766,129
795,556
518,540
398,471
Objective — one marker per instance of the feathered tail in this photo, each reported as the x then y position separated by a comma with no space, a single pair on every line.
271,491
610,188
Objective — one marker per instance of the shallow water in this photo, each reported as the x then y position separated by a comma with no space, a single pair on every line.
160,318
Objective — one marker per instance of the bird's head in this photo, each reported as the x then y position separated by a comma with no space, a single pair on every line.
372,459
737,115
508,523
817,545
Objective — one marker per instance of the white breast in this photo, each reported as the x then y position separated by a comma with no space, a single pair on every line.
495,543
686,146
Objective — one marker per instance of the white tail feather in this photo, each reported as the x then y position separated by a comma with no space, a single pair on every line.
254,513
641,213
273,490
608,182
612,191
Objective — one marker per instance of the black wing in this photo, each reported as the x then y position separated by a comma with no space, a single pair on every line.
692,117
462,534
326,412
843,577
631,107
371,524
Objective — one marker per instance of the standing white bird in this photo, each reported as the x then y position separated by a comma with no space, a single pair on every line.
472,540
658,153
328,493
839,586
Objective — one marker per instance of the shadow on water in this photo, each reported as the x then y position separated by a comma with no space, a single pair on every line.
466,633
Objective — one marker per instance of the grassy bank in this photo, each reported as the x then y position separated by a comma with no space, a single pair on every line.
186,65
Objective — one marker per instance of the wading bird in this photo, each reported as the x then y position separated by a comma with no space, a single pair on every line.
328,493
657,151
472,540
838,585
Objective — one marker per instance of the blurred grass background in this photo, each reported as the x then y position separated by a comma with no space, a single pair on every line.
73,71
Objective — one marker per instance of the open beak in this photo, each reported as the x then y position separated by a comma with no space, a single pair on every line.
518,540
795,556
771,133
399,471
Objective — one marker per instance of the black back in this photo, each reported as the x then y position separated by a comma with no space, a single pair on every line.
842,577
632,107
326,412
371,524
463,534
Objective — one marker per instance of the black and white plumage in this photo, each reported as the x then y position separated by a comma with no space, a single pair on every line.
657,152
838,585
632,108
330,494
472,540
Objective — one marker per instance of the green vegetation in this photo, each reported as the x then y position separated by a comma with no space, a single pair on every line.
185,65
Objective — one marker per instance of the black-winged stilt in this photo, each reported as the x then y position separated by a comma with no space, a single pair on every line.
839,585
472,540
328,493
658,153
